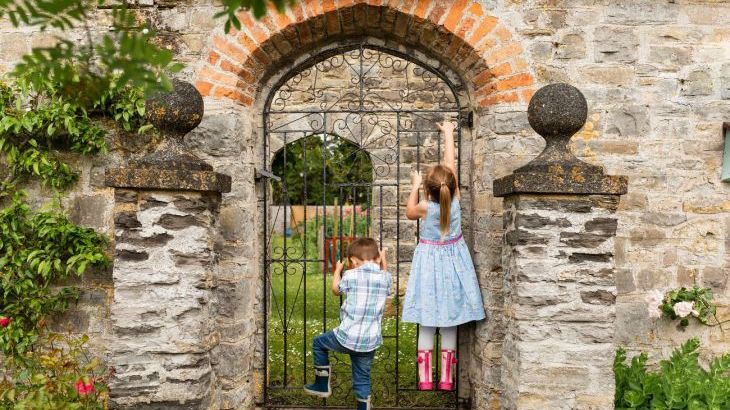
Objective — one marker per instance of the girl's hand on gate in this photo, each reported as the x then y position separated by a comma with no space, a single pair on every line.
446,126
416,179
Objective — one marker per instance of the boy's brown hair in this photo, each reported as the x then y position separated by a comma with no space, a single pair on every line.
365,249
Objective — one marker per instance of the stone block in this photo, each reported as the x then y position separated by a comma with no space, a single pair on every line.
91,210
669,58
570,46
607,75
615,44
716,278
13,46
629,120
725,81
698,82
510,122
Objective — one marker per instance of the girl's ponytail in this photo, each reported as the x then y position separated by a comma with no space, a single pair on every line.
445,204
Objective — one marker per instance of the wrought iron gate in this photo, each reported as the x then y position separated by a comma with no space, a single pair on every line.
326,119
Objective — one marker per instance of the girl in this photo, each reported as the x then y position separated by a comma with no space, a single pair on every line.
442,290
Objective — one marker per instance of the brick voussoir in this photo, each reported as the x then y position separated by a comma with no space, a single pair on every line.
489,59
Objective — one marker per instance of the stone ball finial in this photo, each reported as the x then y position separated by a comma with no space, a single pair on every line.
178,111
557,110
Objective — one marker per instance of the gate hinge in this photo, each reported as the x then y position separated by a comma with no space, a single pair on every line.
265,174
466,119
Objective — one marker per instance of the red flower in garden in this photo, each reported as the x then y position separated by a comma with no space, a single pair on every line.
84,388
4,321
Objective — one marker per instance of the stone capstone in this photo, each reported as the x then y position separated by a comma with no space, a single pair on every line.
556,112
178,111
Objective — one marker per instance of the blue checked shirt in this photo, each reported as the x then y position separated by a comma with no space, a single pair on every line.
366,288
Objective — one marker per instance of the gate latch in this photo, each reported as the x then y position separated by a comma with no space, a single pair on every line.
265,174
467,119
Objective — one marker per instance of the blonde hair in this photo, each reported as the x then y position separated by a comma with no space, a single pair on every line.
440,184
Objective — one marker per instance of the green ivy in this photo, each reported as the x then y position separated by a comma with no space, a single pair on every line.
39,249
679,383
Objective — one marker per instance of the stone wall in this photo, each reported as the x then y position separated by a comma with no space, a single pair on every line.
656,77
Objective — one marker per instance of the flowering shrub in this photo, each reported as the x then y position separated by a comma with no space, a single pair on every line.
57,375
36,250
683,304
679,383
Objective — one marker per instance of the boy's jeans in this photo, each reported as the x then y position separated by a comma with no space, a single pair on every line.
361,361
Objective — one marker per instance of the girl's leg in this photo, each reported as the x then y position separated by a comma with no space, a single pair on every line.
425,353
448,338
425,337
448,357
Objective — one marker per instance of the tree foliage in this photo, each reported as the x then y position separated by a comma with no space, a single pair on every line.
257,7
314,166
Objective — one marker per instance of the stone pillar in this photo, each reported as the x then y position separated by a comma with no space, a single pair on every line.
165,217
560,290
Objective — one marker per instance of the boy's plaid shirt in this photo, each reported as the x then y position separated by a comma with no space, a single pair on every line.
366,288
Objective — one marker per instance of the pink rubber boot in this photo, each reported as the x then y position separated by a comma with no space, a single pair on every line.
448,368
425,378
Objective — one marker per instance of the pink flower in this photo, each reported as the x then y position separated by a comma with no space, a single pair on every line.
683,309
654,300
4,321
84,388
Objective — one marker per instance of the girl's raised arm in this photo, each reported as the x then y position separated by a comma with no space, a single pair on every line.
414,208
447,128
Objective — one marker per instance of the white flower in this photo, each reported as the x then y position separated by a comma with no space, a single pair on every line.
145,30
654,300
683,309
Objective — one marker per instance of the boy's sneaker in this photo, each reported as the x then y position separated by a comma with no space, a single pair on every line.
363,404
321,386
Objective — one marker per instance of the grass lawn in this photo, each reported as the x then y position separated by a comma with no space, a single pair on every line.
308,309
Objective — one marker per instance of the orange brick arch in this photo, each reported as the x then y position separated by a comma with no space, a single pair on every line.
459,33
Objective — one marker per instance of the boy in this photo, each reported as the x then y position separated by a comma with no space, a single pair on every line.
366,284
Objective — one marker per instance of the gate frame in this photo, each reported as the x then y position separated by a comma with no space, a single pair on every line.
464,118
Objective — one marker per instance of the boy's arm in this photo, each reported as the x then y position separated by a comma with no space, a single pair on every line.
336,277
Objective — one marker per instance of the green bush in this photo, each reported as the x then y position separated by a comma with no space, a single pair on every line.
679,383
58,374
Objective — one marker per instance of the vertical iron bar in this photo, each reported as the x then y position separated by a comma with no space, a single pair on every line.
353,219
304,267
287,204
324,219
368,193
341,206
458,177
418,168
458,147
397,260
265,257
324,202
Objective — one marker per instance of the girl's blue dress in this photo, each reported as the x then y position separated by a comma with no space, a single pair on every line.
442,289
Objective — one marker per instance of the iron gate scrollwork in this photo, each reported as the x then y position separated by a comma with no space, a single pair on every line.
369,112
